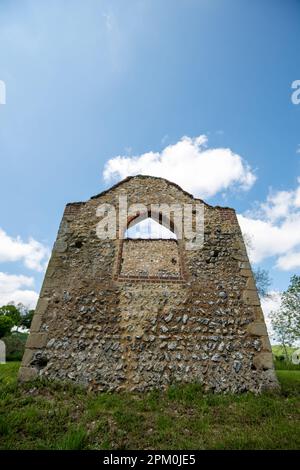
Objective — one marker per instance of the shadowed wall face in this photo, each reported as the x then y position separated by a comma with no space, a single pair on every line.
142,314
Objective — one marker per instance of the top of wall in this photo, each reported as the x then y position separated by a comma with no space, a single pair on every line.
155,179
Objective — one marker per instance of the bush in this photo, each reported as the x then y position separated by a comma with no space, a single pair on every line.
15,345
6,324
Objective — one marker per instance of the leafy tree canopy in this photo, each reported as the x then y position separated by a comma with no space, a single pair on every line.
286,320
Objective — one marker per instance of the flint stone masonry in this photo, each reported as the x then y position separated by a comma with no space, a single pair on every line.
150,258
143,314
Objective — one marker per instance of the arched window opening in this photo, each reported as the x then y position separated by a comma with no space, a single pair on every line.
149,229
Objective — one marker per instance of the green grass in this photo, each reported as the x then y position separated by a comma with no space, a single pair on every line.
279,358
279,351
43,415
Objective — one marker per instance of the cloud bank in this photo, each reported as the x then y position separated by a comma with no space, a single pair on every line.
274,229
11,290
33,254
268,305
189,163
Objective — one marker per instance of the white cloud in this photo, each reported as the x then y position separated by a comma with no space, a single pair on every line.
268,239
270,304
289,261
33,254
11,290
189,163
274,229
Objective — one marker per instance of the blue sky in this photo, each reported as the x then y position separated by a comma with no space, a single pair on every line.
89,81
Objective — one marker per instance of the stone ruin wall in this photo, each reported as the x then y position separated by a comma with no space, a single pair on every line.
111,322
150,259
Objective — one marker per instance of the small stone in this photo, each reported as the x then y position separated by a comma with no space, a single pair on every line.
184,318
237,365
67,296
216,358
51,343
169,317
223,295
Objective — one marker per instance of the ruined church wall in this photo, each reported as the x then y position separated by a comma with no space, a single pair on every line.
96,328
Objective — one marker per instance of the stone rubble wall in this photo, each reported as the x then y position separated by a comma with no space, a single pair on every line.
150,259
94,328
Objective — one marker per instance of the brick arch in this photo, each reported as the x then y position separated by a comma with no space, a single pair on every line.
149,252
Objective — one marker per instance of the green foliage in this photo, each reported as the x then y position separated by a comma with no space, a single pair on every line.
26,318
6,324
286,320
49,415
15,346
74,440
19,314
11,311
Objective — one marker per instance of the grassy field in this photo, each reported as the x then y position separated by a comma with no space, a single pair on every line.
280,362
57,416
278,350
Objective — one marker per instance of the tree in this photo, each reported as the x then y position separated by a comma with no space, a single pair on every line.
261,276
13,312
262,281
19,314
6,324
286,320
27,319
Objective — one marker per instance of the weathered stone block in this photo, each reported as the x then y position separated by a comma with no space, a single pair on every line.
27,373
250,297
28,355
36,323
36,340
246,272
257,329
266,345
264,361
42,306
60,246
250,284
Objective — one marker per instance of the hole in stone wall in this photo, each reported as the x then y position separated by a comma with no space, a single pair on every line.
149,229
39,361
